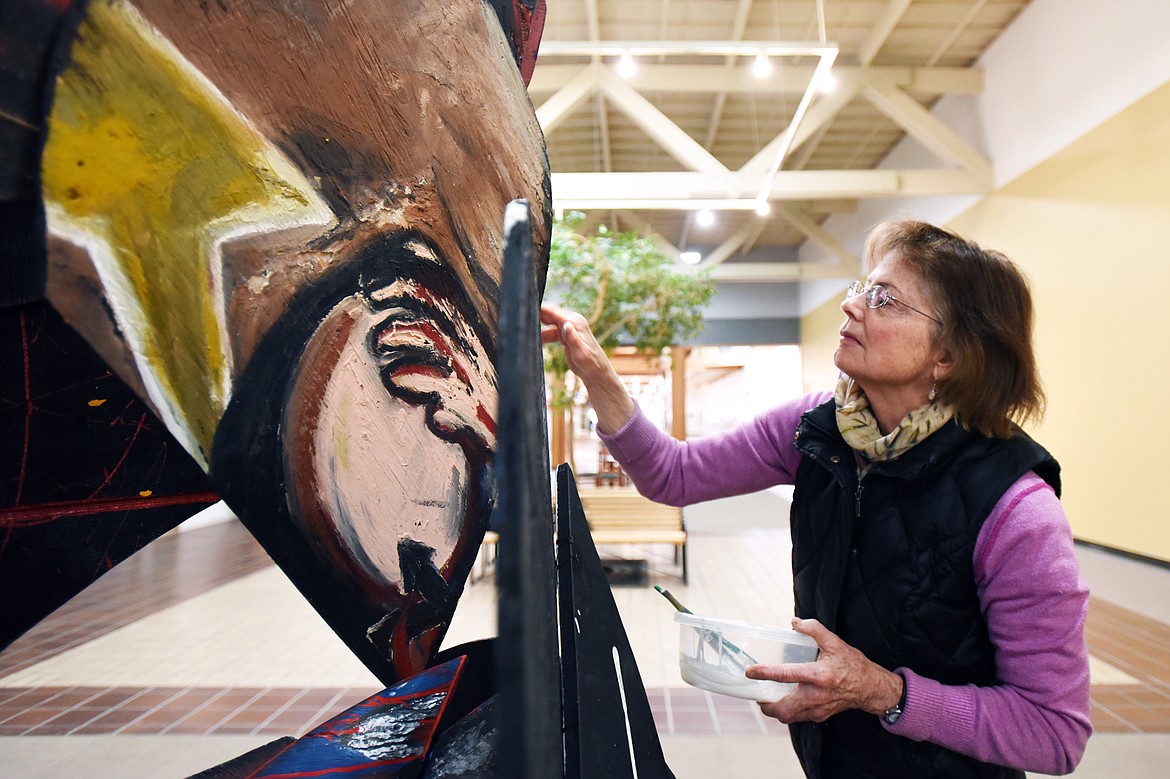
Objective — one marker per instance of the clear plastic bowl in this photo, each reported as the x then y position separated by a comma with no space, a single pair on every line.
714,653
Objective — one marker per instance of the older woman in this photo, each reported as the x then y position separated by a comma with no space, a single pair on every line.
932,561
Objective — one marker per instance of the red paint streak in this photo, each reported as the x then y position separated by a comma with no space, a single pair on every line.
28,410
430,371
110,475
47,512
483,415
438,343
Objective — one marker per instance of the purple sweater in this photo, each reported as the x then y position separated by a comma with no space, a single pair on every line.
1028,580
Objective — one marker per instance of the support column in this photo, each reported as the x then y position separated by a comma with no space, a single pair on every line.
678,391
557,437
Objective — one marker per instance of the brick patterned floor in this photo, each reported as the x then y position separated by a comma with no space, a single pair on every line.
1130,641
194,562
1139,646
54,711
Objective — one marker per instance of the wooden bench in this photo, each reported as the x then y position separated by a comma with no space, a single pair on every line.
616,516
621,516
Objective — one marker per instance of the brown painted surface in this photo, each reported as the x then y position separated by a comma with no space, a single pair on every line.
408,112
359,438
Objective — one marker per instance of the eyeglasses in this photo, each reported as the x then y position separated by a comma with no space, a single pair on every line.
877,296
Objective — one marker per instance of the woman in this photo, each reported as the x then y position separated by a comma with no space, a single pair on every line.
932,561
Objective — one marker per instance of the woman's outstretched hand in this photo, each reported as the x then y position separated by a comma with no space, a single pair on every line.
570,329
587,360
841,678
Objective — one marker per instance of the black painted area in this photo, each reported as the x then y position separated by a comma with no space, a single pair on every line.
88,475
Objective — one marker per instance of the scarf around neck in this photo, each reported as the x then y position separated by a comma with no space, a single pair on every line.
859,426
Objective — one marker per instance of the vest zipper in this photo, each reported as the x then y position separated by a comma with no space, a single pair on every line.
861,473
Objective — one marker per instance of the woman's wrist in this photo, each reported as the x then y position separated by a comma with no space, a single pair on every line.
614,407
889,693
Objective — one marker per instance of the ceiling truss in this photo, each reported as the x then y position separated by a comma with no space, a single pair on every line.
694,128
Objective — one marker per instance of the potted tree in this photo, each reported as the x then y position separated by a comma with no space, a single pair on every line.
632,294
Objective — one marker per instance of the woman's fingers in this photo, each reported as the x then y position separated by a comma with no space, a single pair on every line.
841,678
785,673
571,331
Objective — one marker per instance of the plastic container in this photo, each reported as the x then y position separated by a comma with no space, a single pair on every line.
714,653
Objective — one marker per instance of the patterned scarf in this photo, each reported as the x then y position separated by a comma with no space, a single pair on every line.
859,426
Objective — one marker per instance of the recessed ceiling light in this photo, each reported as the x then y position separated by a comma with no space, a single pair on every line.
762,67
690,258
626,67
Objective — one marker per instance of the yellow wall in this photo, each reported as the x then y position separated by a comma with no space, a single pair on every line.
818,341
1091,229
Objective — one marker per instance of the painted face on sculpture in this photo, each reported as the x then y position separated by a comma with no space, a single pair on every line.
391,417
299,268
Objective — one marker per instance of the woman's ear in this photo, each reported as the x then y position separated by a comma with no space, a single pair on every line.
943,366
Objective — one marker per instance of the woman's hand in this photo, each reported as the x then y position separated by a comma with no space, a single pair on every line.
841,678
584,354
587,360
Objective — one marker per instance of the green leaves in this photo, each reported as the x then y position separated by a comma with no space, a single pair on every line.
631,293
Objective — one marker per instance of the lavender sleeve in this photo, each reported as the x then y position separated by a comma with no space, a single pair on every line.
754,456
1037,717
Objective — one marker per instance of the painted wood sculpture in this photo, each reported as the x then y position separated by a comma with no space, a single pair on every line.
575,704
387,735
280,225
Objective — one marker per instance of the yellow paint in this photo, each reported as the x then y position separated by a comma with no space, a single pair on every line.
145,493
145,156
97,402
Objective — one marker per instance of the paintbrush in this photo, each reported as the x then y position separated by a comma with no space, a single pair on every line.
708,635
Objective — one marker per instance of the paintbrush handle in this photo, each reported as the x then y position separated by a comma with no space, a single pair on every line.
673,600
708,636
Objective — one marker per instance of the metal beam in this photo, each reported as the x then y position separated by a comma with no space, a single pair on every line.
928,130
747,272
881,33
647,231
658,126
819,236
565,100
742,11
690,191
680,79
822,112
709,48
968,17
748,233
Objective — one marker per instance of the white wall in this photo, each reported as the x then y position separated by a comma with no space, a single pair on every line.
1061,69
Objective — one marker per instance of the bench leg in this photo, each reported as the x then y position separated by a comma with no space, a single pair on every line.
684,561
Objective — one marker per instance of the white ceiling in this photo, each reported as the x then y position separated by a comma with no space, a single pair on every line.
690,125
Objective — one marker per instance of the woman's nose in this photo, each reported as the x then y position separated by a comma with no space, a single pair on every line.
854,306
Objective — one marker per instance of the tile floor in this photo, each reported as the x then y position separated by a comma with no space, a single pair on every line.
198,649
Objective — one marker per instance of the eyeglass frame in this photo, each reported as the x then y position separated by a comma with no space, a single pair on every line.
871,292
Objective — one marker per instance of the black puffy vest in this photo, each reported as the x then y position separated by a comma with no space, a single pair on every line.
885,562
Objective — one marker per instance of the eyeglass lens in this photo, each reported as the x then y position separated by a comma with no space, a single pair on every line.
875,296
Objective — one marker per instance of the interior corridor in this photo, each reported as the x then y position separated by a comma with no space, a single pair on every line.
198,649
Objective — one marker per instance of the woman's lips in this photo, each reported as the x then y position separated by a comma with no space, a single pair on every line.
846,338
